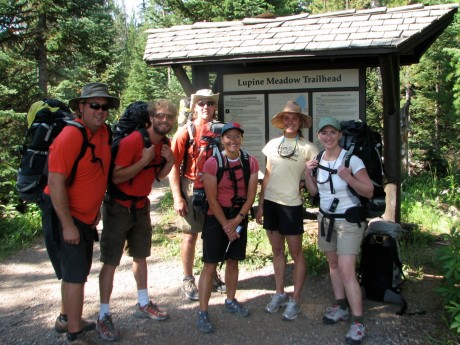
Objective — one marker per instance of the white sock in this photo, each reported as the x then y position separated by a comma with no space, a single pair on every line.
143,297
104,309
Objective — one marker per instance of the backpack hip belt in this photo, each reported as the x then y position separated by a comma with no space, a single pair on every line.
351,215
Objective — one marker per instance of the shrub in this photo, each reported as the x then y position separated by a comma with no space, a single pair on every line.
449,259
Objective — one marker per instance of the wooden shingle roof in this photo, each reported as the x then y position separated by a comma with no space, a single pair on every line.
407,30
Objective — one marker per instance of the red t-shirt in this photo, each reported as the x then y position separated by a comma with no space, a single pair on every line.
88,189
225,191
129,152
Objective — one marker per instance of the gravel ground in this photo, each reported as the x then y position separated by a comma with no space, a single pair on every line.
30,300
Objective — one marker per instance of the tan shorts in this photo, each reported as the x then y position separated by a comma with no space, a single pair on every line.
194,220
346,237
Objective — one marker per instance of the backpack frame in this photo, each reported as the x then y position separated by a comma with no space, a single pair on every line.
380,268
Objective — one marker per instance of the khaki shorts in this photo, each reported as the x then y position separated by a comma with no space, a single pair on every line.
194,220
346,237
122,232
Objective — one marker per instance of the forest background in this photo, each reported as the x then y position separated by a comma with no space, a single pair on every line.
50,48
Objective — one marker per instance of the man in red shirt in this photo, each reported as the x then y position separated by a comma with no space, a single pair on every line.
184,177
70,213
127,223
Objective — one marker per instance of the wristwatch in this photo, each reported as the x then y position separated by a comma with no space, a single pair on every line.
241,215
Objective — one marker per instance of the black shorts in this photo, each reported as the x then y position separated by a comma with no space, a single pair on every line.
215,242
288,220
72,263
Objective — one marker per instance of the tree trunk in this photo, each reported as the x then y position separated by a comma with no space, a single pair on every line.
42,55
405,114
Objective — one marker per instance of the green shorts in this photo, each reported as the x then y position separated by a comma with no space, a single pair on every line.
346,237
194,220
123,231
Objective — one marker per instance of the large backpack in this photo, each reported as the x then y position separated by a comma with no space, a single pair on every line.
199,196
135,118
360,140
208,145
380,271
45,119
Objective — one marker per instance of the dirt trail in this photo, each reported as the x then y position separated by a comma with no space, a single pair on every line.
30,299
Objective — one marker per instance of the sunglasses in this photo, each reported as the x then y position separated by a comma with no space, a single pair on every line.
97,106
203,103
284,152
162,116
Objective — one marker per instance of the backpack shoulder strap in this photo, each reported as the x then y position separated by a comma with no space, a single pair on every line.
348,155
220,158
246,167
190,141
84,146
191,132
145,137
322,167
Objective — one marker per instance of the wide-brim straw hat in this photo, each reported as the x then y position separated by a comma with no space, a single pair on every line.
292,107
203,94
93,90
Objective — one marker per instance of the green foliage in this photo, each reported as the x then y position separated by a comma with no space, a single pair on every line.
17,229
13,127
448,258
439,191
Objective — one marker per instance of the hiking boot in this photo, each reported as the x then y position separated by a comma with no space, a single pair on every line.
203,323
189,288
278,300
236,308
79,340
335,314
355,334
150,311
106,328
60,325
218,285
292,310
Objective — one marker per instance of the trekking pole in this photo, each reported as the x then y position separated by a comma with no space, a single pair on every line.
238,230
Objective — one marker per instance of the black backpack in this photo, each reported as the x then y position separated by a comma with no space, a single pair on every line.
380,270
360,140
199,196
135,117
46,119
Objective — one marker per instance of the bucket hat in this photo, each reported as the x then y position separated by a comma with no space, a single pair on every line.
203,94
291,107
92,90
232,125
329,121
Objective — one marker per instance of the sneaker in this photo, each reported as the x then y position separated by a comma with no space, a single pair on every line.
60,326
335,314
189,288
150,311
278,300
218,285
203,323
106,328
236,308
355,334
292,310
